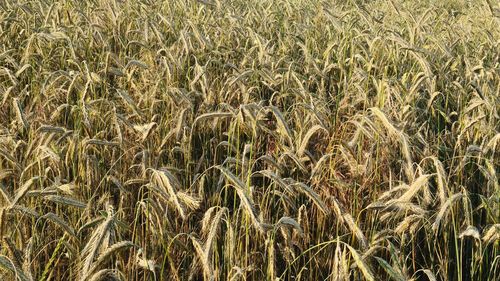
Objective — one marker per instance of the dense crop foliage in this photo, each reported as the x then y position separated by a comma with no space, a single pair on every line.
249,140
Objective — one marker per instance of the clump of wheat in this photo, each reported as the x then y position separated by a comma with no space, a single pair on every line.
249,140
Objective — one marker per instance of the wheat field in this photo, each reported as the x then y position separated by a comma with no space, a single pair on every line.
249,140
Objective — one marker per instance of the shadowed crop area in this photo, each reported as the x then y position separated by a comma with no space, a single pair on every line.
249,140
